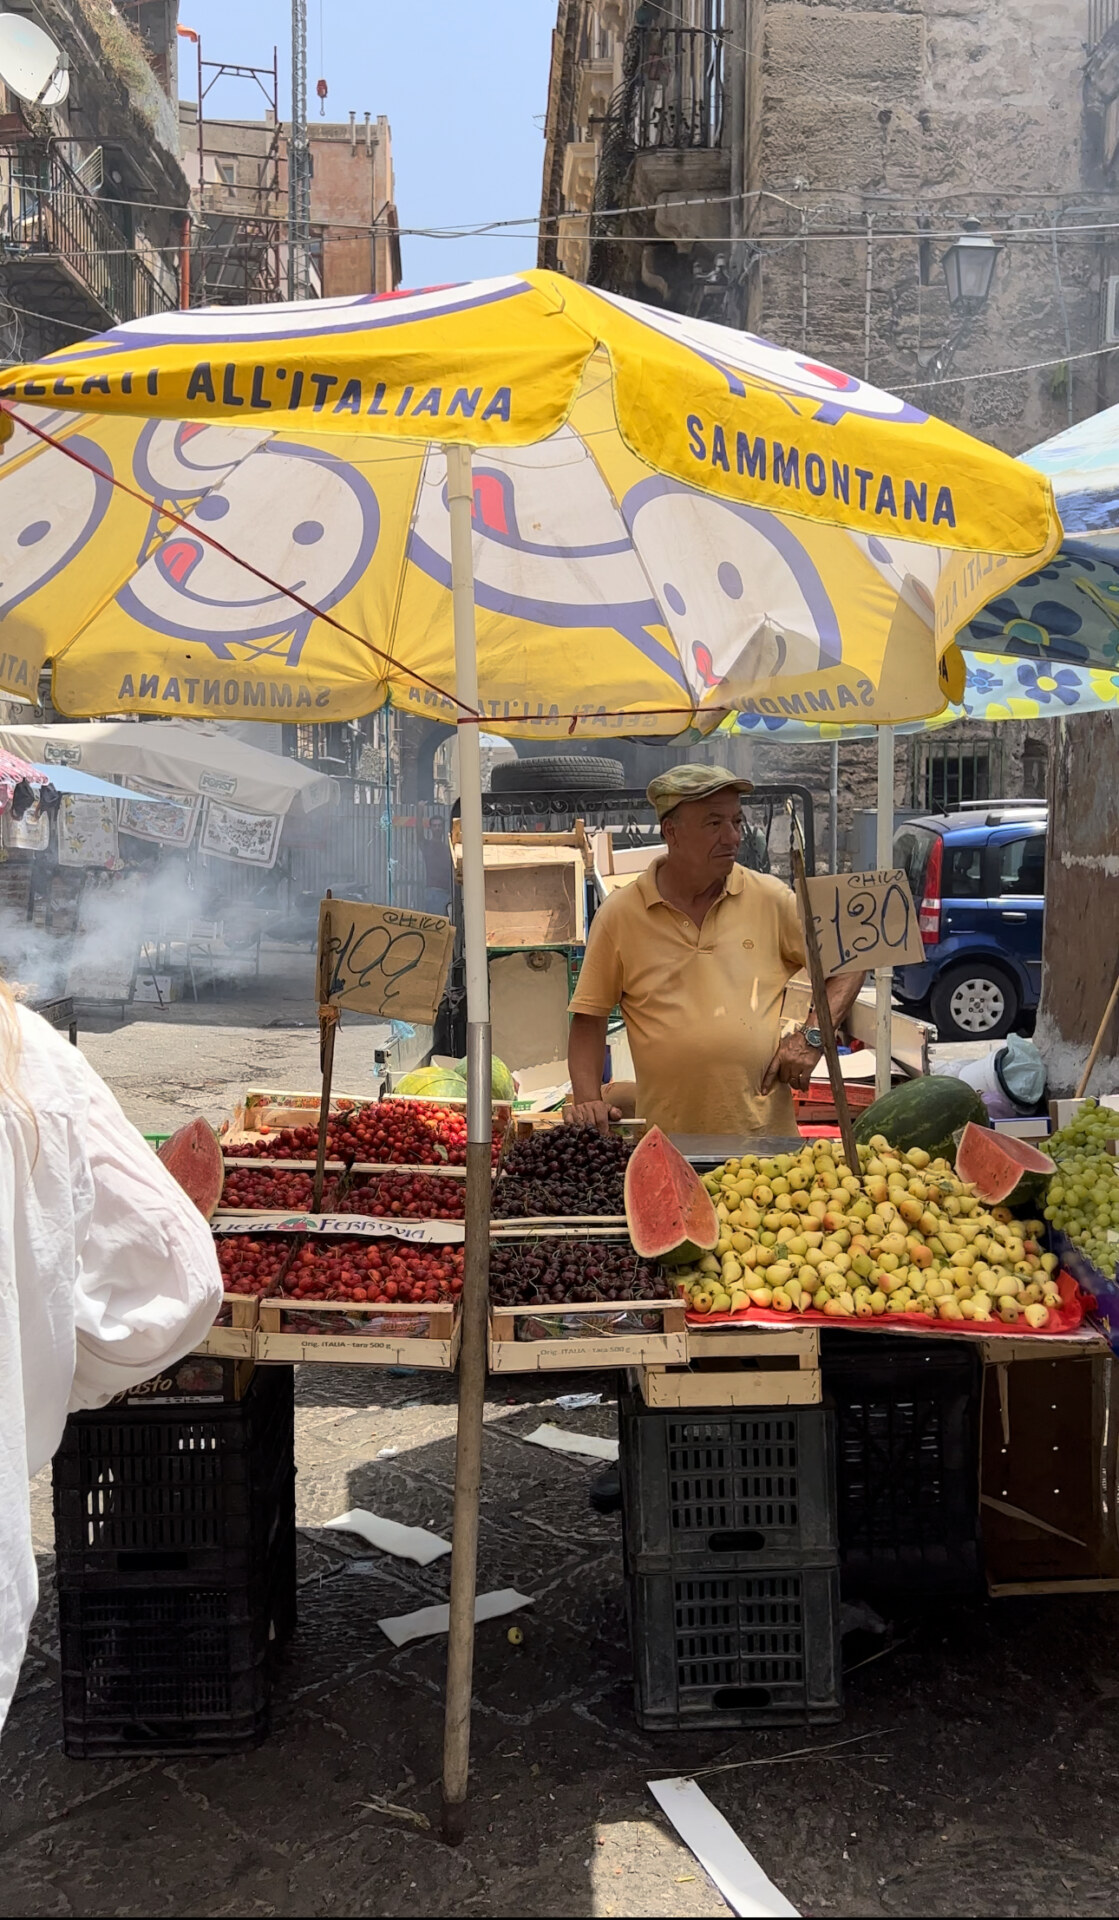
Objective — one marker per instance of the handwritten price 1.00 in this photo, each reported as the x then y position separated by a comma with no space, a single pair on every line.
383,960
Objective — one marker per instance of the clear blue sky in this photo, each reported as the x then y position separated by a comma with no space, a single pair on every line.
464,87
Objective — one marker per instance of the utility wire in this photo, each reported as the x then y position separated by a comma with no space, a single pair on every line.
465,230
779,239
1003,373
911,386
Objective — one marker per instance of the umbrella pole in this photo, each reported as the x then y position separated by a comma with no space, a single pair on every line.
475,1291
884,977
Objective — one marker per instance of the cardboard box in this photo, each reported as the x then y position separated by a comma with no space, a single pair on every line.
1035,1127
153,990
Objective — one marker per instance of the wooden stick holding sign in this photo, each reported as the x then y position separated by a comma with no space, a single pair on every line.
820,1001
329,1017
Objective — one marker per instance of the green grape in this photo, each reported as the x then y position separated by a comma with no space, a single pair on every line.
1083,1197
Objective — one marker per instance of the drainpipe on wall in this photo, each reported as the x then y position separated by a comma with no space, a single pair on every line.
184,262
735,70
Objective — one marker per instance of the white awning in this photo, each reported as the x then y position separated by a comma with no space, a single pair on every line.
187,757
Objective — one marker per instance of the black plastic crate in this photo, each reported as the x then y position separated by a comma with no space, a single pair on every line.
155,1492
726,1489
907,1462
163,1670
718,1650
170,1668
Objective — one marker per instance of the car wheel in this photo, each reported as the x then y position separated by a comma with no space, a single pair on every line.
976,1002
542,773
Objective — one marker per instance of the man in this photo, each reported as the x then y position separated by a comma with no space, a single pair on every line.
697,952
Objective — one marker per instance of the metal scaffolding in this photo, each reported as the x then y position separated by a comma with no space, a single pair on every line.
237,256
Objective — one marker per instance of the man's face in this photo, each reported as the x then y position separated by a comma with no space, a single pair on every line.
704,835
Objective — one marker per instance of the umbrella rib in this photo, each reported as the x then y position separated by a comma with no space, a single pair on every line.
199,533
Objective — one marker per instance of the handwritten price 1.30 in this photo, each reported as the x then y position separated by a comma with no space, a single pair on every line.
864,920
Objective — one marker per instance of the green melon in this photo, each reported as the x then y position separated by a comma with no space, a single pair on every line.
926,1113
502,1084
432,1083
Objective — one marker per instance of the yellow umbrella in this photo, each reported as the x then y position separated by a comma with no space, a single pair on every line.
627,521
671,520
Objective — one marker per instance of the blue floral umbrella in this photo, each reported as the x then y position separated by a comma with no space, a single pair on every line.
1067,613
998,687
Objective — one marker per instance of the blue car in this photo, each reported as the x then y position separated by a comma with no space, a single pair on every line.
978,879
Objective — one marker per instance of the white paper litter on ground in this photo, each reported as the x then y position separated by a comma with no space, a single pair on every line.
387,1453
572,1402
561,1442
406,1543
428,1620
721,1854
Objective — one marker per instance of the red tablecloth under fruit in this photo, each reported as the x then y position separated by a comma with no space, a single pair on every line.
1074,1305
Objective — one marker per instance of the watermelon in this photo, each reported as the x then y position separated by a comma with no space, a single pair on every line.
432,1083
669,1211
924,1113
193,1158
1000,1167
502,1084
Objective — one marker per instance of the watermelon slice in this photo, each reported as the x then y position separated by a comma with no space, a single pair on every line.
193,1158
1000,1167
669,1211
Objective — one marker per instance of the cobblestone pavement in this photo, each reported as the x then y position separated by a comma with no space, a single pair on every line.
980,1781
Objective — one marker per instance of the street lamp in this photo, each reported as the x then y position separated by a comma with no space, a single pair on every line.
969,267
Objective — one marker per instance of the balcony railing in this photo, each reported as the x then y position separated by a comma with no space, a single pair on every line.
48,216
679,90
1102,15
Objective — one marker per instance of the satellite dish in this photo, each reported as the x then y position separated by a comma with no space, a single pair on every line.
31,66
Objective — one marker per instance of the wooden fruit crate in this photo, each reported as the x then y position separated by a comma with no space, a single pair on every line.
562,1226
778,1367
667,1346
283,1334
235,1338
353,1226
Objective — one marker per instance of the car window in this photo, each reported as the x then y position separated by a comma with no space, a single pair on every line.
911,852
962,874
1022,866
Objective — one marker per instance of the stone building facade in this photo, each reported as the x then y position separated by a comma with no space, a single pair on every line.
800,167
92,194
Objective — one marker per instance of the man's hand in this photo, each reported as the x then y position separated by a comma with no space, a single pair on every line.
591,1113
793,1063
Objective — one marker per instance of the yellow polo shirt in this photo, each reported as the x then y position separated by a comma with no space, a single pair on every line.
702,1005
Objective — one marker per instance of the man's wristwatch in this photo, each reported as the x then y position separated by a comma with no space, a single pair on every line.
814,1038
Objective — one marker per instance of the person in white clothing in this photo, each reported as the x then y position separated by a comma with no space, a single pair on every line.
107,1273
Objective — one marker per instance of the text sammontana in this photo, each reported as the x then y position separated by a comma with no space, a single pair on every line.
786,466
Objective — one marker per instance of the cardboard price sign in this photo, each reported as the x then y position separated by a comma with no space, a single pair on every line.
386,960
865,920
